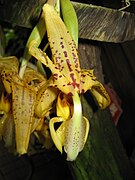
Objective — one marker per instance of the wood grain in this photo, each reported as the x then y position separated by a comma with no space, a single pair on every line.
95,22
104,24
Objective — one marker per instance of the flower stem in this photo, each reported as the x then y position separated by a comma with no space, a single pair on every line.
37,34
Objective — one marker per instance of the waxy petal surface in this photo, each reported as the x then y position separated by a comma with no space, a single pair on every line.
65,55
23,101
90,82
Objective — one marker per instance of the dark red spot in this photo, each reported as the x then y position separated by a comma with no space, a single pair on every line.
69,65
65,54
74,83
69,84
83,75
76,65
55,76
70,94
82,82
62,46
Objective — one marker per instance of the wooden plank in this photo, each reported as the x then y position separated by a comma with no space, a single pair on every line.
104,24
21,12
95,22
118,65
103,156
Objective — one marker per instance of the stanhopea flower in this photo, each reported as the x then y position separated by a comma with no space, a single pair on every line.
71,81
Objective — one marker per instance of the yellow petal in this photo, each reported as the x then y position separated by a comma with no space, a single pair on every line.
8,131
23,100
6,75
9,73
76,131
58,80
45,98
61,132
4,104
63,106
89,82
36,123
58,143
86,128
10,62
101,96
75,138
32,75
63,47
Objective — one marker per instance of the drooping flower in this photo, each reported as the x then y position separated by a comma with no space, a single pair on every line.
71,80
20,113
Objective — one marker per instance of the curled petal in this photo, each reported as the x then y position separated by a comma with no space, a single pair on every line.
56,136
8,76
45,98
9,62
87,128
76,131
89,82
72,133
75,138
101,95
61,132
32,75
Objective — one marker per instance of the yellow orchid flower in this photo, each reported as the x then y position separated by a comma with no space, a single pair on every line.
66,72
24,102
72,133
68,77
45,98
